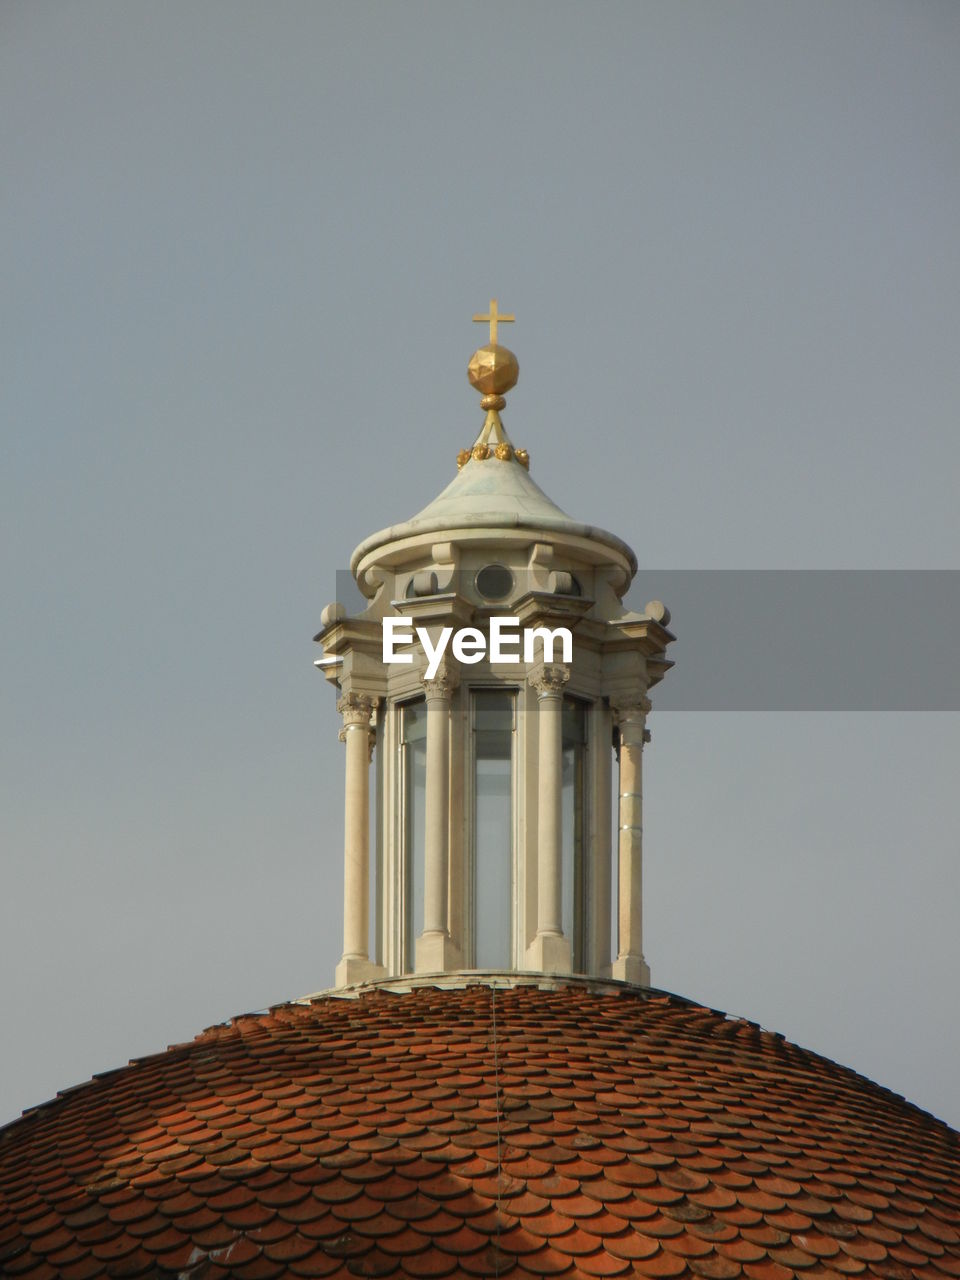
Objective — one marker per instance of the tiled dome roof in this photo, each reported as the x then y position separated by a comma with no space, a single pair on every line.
513,1128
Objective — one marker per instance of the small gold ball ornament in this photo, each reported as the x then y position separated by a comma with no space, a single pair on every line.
493,370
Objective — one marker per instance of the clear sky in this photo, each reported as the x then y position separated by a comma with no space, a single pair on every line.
240,247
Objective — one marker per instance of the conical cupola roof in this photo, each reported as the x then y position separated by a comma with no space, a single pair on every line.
491,494
493,488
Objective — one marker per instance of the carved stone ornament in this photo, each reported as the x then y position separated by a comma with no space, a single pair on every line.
334,612
356,709
549,681
630,716
635,706
443,682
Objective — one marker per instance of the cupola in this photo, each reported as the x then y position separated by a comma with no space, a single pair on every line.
520,1121
491,690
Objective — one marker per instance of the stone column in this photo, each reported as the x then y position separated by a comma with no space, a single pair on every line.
599,871
355,964
434,950
550,950
631,715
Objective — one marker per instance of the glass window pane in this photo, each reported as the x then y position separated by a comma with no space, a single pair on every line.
493,712
573,823
574,721
415,721
493,828
494,581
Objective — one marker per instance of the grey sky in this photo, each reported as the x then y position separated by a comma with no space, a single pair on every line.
240,246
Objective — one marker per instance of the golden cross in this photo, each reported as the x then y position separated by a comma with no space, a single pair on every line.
495,318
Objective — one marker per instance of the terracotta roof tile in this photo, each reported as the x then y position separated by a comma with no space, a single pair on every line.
849,1266
549,1223
713,1229
715,1267
687,1245
317,1263
83,1269
661,1265
426,1265
518,1240
603,1264
272,1231
405,1242
543,1262
606,1132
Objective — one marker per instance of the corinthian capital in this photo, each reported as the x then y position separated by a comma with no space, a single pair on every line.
631,706
549,681
630,716
356,709
443,682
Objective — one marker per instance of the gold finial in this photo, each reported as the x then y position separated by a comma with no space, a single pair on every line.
495,318
493,370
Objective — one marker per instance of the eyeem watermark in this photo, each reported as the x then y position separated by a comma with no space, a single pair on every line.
508,642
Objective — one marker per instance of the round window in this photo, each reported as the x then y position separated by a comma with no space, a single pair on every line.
494,581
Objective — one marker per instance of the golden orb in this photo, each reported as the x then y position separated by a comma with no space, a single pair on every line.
493,370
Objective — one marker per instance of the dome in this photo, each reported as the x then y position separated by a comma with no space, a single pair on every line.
481,1125
492,495
493,1089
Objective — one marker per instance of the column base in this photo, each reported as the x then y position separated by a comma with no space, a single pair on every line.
631,969
352,969
435,953
550,953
